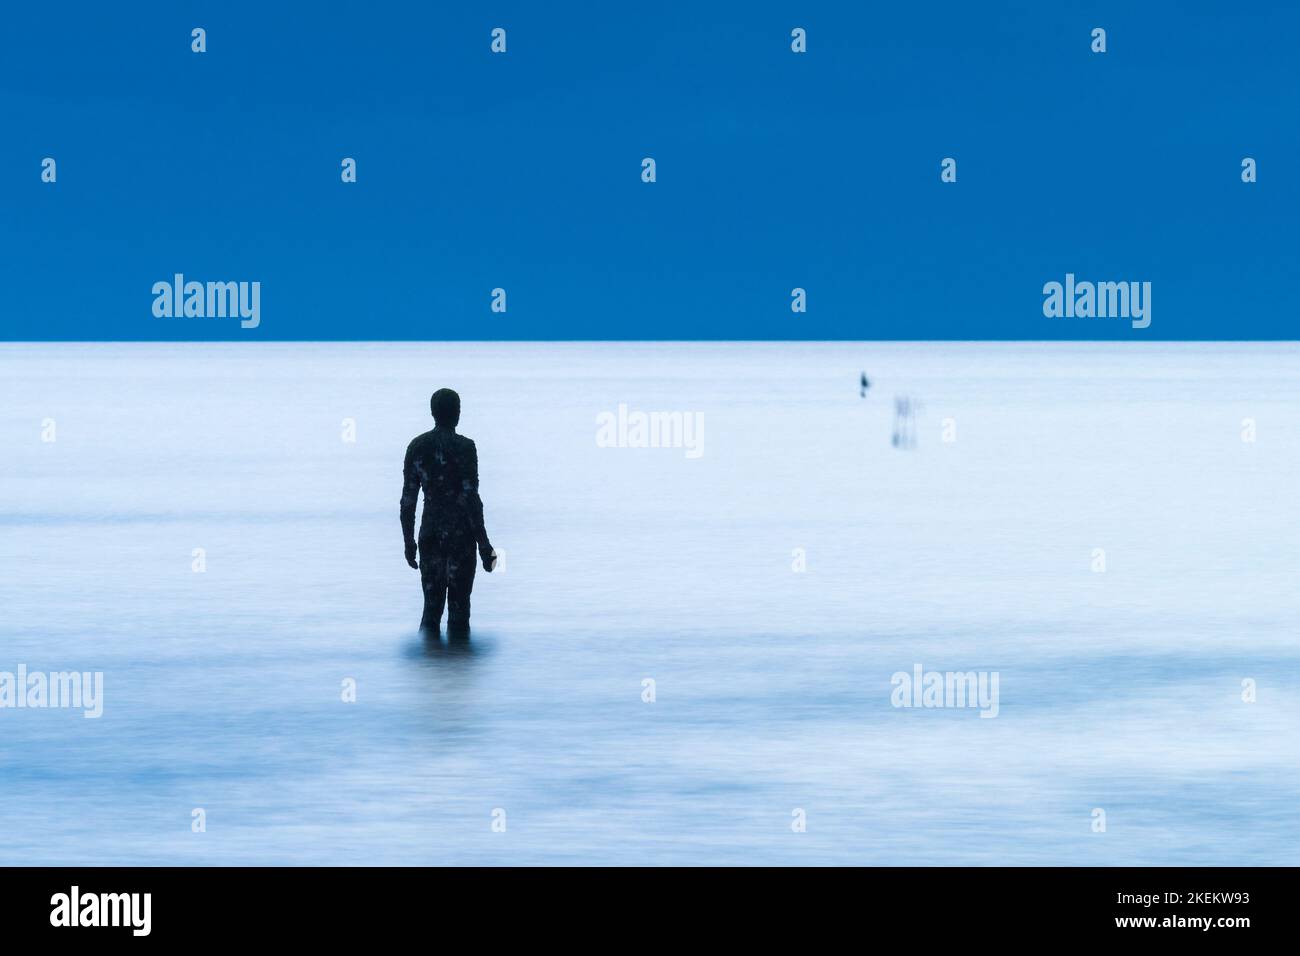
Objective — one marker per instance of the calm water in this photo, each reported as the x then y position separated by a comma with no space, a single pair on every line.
1118,690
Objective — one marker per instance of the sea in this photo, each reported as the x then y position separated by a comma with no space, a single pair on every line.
685,655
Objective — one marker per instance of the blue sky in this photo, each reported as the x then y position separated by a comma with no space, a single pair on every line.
775,170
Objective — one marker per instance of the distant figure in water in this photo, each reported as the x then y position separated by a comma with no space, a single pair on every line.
865,385
445,465
905,421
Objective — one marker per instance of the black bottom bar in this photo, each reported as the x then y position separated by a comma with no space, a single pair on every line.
361,904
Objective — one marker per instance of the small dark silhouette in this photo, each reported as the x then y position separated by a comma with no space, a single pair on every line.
445,465
865,385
